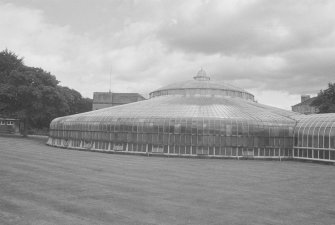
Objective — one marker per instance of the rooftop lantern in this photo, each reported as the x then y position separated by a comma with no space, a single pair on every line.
201,75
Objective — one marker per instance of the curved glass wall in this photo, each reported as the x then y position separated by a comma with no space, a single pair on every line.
315,137
199,118
183,126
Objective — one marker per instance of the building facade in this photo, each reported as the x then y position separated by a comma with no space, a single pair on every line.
108,99
305,106
9,125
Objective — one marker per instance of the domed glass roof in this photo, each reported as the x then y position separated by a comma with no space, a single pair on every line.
189,107
202,85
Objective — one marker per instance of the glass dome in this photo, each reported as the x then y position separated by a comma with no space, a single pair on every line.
202,86
192,118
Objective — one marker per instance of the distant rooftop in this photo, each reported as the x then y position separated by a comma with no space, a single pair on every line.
109,99
306,102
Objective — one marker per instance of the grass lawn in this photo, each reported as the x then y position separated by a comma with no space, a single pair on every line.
47,185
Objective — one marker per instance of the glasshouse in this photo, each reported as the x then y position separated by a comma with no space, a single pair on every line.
199,117
315,137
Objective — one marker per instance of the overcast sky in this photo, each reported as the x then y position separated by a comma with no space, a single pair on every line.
277,50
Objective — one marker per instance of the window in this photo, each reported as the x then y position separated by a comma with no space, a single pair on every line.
189,127
200,128
206,127
177,128
165,139
183,127
228,130
2,123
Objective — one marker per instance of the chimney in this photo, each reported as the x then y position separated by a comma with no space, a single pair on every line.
305,97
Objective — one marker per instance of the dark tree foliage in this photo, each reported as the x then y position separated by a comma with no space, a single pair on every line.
85,105
8,63
75,102
33,95
325,101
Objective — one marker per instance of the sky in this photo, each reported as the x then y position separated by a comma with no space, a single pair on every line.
277,50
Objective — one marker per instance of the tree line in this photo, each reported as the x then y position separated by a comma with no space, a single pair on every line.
33,95
325,100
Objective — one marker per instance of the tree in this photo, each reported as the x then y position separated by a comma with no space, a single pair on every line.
33,95
85,105
72,97
29,94
76,103
8,63
325,101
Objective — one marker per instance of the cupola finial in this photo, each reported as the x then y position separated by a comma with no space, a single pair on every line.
201,75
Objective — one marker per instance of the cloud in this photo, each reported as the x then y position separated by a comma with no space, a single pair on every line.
267,47
130,53
249,27
74,58
277,45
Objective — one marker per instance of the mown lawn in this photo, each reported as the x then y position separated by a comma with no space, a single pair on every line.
46,185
